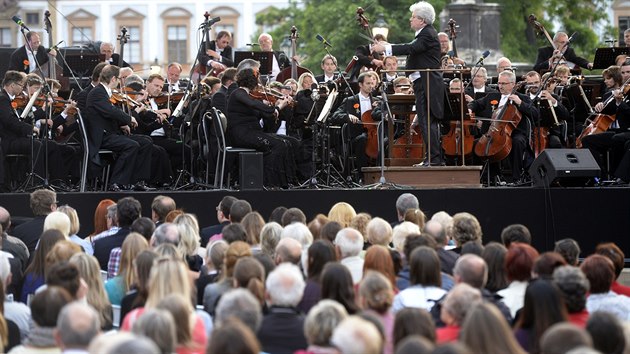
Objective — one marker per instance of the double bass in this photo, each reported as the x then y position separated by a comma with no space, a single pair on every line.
496,144
294,71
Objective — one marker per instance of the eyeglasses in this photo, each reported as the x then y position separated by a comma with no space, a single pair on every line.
503,83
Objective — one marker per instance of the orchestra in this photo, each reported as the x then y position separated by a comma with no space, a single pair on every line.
152,122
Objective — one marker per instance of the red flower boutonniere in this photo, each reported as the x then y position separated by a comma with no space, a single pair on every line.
14,104
494,104
356,106
26,62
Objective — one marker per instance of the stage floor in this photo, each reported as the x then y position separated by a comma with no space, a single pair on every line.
589,215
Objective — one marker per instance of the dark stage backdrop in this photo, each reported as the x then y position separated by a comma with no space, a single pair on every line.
589,215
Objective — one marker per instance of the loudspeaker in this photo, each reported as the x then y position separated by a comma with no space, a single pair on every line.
251,170
4,63
565,167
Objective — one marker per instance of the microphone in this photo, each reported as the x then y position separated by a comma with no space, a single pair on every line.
20,23
323,40
55,46
212,21
253,44
484,55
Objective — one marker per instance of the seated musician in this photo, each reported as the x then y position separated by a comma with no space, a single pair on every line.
478,86
614,102
367,58
521,155
22,58
553,122
351,111
218,57
64,123
293,84
228,85
173,82
104,127
212,84
503,64
244,129
107,49
548,55
445,45
279,60
329,66
391,65
81,97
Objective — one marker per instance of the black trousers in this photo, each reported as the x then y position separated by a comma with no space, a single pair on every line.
58,162
174,150
431,128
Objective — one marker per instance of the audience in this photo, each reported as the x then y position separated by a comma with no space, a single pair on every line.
349,243
319,325
77,325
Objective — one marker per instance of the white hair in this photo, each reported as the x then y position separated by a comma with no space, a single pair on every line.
299,232
356,335
285,285
423,10
379,232
400,233
59,221
349,241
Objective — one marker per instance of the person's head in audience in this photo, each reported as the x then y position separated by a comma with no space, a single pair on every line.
410,321
101,216
134,244
337,285
415,344
72,216
360,222
61,252
569,249
342,213
404,202
142,269
519,262
167,277
600,272
128,210
321,321
144,226
377,321
356,335
233,337
546,264
236,250
238,210
435,229
215,253
223,209
253,223
188,227
415,216
172,215
268,264
607,332
446,220
494,255
472,270
563,337
424,267
182,311
239,303
330,230
159,326
46,305
458,302
349,243
277,213
58,220
466,228
161,206
485,330
234,232
250,274
269,238
542,307
515,233
472,247
376,292
293,215
414,241
401,232
165,233
288,250
379,259
574,287
43,202
136,345
315,226
77,325
66,275
170,251
614,253
47,241
379,232
285,286
299,232
89,271
319,254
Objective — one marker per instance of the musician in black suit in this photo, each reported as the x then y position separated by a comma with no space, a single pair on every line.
280,59
107,49
329,66
219,53
545,103
104,126
547,55
424,53
367,57
22,58
228,85
521,154
350,112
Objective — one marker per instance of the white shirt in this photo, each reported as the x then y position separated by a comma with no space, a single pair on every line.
355,266
366,103
418,296
31,60
275,67
329,78
503,100
109,91
160,131
388,51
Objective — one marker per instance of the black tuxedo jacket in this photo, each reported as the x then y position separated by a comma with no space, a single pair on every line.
19,55
102,118
10,125
470,90
115,58
219,99
320,78
424,53
346,108
283,59
544,53
226,55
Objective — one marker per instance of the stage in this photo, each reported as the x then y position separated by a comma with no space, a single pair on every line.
589,215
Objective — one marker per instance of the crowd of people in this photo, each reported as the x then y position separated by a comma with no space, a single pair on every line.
341,282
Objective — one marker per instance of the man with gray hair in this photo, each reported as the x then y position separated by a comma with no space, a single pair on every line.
560,51
349,243
478,85
404,202
77,325
299,232
165,233
356,335
447,257
282,329
288,250
239,303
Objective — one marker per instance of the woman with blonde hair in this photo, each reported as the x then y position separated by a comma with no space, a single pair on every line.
416,216
74,229
59,221
89,271
118,286
34,275
253,224
305,81
213,292
189,240
485,330
342,213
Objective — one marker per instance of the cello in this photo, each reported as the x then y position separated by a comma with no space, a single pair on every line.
598,122
496,144
294,71
371,129
453,141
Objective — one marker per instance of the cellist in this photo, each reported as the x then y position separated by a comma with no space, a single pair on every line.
521,154
553,114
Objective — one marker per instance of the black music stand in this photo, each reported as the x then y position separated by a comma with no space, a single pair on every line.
264,58
605,57
451,74
81,64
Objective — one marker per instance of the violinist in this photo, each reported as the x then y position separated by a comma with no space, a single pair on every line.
81,97
552,122
478,86
173,84
244,128
445,50
228,85
350,112
521,154
107,49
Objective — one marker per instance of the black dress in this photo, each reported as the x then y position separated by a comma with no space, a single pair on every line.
244,130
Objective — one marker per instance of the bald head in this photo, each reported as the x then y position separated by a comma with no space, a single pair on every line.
288,250
5,219
472,270
77,325
436,229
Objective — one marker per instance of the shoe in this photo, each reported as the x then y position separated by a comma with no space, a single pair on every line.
114,187
142,187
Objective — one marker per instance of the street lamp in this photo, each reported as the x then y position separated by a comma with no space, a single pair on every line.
380,27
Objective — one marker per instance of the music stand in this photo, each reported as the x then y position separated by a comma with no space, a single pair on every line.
605,57
449,75
264,58
81,64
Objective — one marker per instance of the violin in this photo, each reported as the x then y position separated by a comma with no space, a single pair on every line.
20,101
262,93
162,101
118,98
59,105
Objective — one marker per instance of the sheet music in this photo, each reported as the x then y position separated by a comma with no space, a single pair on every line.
323,115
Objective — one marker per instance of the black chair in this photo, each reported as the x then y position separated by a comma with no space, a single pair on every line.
106,155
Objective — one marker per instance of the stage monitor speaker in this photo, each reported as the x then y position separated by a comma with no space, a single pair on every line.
251,170
4,63
563,167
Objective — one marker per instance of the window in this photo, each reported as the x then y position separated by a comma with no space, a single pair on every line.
81,25
132,52
177,44
229,22
133,21
624,23
81,35
32,18
5,37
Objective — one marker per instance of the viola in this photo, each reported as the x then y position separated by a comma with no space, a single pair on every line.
118,98
59,105
262,93
20,101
